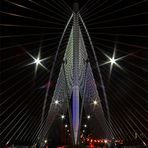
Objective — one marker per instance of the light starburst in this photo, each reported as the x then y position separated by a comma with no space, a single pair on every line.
113,60
37,61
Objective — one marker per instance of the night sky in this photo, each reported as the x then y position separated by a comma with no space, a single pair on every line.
31,25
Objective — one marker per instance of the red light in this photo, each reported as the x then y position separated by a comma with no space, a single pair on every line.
91,146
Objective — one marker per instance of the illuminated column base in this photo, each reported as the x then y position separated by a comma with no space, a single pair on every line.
75,111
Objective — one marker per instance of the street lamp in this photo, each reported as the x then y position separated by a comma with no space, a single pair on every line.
85,125
62,116
66,125
88,116
95,102
56,102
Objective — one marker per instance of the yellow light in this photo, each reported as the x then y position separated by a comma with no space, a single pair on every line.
95,102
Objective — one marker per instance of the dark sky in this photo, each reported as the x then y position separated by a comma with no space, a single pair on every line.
30,25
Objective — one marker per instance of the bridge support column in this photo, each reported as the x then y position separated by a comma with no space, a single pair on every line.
75,98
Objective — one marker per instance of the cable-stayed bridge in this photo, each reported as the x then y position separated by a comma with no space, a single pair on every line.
77,102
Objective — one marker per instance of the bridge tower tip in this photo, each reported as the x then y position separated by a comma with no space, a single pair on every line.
76,7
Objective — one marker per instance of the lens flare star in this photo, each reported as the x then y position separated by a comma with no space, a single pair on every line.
37,61
113,61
